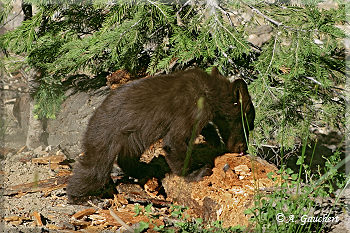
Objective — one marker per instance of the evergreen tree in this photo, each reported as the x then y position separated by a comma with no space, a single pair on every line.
296,76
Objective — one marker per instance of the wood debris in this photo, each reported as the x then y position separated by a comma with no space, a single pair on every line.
134,193
49,159
118,78
37,217
55,161
83,213
38,186
21,149
152,187
16,220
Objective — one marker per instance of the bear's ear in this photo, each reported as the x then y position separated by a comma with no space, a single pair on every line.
215,71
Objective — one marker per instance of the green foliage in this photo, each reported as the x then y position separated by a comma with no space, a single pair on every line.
295,198
183,223
48,101
148,209
6,8
178,211
142,226
287,208
197,226
297,73
334,179
285,66
137,209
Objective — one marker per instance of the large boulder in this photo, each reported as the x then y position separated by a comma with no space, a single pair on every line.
66,131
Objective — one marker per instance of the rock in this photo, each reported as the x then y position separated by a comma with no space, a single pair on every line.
70,123
223,195
327,5
260,35
15,112
38,150
35,134
48,148
247,16
263,29
14,18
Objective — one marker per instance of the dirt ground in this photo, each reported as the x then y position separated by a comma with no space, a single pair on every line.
17,169
34,197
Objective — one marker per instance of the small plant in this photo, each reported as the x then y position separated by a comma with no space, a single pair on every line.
137,209
181,222
290,208
335,179
178,212
197,225
142,226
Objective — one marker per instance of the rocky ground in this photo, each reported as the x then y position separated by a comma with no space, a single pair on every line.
34,197
19,209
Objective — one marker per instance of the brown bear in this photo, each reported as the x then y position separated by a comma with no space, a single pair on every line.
171,107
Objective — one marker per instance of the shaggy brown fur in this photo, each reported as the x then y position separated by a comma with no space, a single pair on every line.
139,113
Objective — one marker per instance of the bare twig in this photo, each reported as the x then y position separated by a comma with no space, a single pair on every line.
15,16
115,216
265,145
154,4
178,18
213,4
226,13
296,54
267,70
265,16
186,3
313,80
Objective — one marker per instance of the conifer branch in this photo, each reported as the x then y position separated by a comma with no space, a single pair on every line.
273,54
217,6
228,31
178,18
275,22
121,33
134,25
